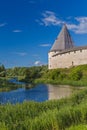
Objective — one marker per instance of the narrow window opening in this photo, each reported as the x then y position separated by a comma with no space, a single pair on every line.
72,63
74,51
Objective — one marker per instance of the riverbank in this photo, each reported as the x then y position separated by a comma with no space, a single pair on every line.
61,82
64,114
5,85
75,76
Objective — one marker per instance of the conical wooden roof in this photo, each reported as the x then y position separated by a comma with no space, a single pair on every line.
63,41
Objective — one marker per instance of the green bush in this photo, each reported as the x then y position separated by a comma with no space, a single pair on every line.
63,76
52,74
76,74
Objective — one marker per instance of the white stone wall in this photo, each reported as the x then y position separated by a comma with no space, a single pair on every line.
68,59
51,59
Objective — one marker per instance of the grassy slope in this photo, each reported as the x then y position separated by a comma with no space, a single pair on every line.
76,76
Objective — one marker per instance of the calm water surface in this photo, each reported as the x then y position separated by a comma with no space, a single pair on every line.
39,93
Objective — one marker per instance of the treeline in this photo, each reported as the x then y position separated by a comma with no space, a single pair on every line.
5,85
27,74
2,71
23,73
41,74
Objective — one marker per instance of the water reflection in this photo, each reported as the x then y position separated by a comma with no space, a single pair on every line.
59,91
39,93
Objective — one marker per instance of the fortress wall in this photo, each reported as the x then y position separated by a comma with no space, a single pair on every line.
69,59
51,60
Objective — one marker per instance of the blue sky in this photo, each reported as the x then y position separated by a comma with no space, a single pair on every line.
28,28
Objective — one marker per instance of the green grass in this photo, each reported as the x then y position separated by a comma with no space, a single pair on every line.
78,127
62,82
63,114
76,76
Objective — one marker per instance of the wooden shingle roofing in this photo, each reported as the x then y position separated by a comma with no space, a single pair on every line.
63,41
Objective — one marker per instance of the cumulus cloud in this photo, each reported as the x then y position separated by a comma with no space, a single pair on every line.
17,31
45,45
50,18
37,63
80,27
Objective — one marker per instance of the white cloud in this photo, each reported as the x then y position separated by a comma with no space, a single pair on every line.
72,26
80,27
2,24
17,31
37,63
50,18
20,53
45,45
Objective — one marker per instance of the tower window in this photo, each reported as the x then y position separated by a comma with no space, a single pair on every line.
72,63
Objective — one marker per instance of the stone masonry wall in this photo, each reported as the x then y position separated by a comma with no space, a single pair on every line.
66,60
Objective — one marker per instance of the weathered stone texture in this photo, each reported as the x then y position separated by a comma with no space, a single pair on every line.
68,59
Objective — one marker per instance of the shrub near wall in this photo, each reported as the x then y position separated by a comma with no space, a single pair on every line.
52,74
75,74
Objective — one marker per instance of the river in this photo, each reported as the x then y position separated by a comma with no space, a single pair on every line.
39,93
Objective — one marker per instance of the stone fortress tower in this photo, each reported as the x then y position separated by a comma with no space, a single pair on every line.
64,54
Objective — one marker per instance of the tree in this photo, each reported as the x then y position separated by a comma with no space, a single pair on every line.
2,71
